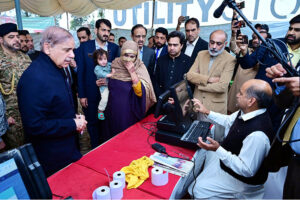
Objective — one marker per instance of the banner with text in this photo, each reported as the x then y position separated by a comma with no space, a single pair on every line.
166,14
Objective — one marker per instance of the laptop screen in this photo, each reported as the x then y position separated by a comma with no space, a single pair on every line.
183,98
182,95
11,183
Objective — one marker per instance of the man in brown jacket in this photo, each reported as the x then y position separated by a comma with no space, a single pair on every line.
211,74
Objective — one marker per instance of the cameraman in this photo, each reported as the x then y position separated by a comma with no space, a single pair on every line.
288,45
286,150
240,75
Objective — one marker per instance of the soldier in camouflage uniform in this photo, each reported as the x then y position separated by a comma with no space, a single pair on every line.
12,64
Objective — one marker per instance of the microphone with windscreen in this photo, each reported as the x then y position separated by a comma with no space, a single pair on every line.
218,12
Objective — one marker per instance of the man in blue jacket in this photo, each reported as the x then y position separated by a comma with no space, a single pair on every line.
46,103
288,46
88,91
160,41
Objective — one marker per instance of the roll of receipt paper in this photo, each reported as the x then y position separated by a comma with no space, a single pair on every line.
159,177
119,176
116,189
102,192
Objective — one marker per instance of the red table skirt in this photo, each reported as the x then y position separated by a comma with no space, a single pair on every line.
80,179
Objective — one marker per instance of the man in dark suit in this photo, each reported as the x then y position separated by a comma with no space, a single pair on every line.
72,80
194,43
32,53
84,34
46,106
160,41
121,41
147,55
171,67
88,91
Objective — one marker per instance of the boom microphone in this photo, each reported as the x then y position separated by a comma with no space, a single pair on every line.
218,12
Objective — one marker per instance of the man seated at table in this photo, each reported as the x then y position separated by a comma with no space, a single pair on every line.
233,169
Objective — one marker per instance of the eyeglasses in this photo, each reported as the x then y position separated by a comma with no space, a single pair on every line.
295,29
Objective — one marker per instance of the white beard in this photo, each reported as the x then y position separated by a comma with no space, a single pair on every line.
215,54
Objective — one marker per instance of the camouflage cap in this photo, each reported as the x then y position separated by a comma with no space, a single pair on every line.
7,28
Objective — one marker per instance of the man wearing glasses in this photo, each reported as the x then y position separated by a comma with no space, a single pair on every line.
147,55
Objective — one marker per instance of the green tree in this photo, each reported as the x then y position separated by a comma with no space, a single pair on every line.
57,18
78,21
101,13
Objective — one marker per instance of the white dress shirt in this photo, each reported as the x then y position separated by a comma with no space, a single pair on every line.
98,46
141,53
214,182
158,51
190,47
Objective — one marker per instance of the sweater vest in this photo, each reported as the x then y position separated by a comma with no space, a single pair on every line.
239,130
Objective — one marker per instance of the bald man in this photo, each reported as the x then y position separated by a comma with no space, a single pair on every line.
212,72
233,169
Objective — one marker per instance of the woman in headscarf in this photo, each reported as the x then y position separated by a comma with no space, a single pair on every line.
130,90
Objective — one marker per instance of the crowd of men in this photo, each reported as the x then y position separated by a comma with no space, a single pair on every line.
41,90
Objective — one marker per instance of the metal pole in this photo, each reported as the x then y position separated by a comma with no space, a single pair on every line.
68,21
153,12
18,14
269,44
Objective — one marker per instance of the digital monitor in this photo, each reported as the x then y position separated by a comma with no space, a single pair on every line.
182,95
161,105
14,181
21,176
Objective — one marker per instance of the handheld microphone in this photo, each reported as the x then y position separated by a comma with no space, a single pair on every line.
218,12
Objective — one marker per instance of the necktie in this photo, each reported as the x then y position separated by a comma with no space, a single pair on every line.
68,82
157,54
68,74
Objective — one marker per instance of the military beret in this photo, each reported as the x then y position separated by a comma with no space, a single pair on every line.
7,28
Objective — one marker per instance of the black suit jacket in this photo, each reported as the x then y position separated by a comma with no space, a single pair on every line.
87,87
149,59
45,104
200,45
74,88
165,76
34,55
163,52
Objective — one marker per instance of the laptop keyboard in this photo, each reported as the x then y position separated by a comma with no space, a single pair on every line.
197,129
